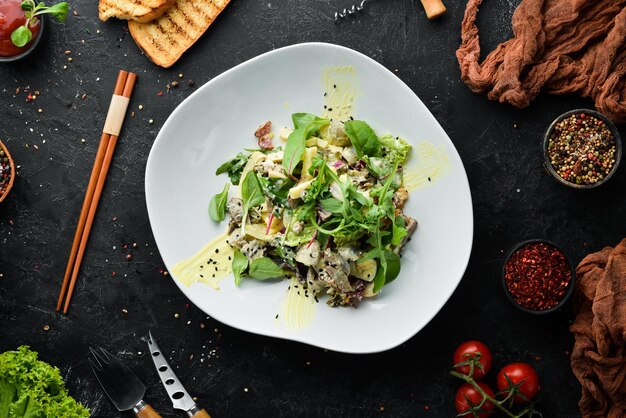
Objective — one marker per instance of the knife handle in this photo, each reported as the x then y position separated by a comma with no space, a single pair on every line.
201,414
147,412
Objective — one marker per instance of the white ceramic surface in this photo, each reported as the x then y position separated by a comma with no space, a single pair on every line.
219,119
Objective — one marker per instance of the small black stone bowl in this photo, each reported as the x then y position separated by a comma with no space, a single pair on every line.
546,139
570,285
31,46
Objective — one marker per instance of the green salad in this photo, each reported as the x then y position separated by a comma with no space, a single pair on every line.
31,388
326,208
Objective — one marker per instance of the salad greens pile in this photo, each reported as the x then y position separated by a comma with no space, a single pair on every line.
34,389
326,208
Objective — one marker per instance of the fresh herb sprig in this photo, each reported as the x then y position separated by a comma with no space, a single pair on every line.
23,35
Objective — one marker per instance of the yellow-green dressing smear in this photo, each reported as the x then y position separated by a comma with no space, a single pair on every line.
297,310
209,265
341,88
431,164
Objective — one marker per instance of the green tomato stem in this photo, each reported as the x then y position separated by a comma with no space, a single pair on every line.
472,382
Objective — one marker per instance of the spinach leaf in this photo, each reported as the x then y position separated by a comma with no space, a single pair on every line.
306,125
234,167
239,265
217,206
393,266
363,138
252,195
264,268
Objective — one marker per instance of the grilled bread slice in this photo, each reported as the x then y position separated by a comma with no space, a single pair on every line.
137,10
166,38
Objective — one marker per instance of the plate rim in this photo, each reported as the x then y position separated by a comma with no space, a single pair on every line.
391,344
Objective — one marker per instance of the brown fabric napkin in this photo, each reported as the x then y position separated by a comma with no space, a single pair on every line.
599,355
559,46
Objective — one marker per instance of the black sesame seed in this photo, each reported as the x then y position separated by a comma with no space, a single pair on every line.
202,276
325,107
334,86
230,258
428,178
276,316
217,250
213,275
330,109
215,268
325,94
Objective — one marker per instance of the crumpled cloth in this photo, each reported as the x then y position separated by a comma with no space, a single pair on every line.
559,46
599,355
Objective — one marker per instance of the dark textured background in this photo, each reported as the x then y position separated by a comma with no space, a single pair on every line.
249,375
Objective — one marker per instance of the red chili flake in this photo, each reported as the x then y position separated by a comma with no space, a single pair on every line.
113,274
29,98
537,276
187,306
426,408
129,257
160,94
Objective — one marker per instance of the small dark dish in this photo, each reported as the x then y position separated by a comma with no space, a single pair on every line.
546,139
7,172
568,291
31,46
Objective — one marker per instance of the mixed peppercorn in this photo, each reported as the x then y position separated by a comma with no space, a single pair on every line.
581,149
5,171
537,276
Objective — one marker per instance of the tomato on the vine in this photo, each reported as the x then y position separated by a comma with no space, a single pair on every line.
467,397
522,375
473,350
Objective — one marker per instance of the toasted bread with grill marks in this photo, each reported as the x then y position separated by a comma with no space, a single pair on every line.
137,10
166,38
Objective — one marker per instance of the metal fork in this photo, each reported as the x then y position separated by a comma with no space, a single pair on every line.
120,384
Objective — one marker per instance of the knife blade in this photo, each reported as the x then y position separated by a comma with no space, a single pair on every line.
175,390
123,388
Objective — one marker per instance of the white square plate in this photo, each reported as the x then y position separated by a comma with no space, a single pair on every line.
218,120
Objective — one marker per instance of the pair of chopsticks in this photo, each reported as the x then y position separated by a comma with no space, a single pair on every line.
112,127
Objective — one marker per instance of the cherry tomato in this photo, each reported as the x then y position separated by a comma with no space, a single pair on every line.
519,373
468,350
467,396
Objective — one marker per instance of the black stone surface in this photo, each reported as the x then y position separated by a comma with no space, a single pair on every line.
245,375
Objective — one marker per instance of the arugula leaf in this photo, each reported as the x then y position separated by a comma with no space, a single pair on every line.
398,230
363,138
331,204
234,167
252,195
239,265
277,189
306,125
217,206
264,268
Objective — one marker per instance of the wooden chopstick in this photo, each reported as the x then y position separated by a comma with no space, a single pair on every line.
124,88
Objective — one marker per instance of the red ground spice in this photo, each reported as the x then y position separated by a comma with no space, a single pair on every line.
537,276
